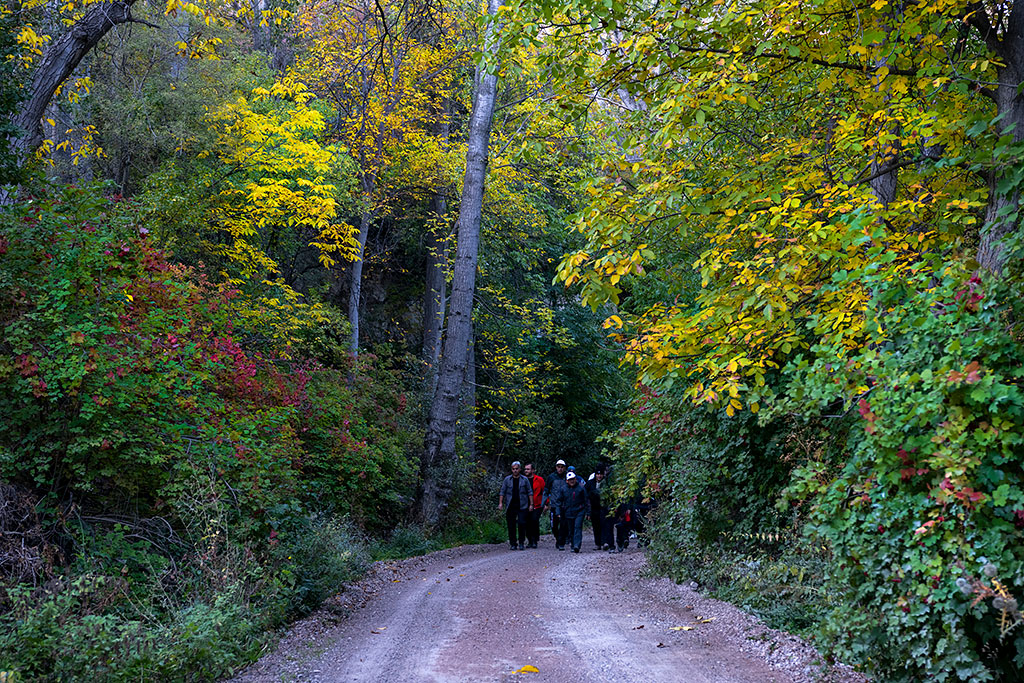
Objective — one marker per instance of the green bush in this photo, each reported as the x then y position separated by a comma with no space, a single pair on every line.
878,504
200,461
926,505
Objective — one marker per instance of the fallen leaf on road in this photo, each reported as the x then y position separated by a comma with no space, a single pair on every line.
382,628
662,645
681,628
376,633
528,669
537,615
636,628
705,621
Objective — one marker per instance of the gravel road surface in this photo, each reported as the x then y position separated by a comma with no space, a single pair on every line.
482,613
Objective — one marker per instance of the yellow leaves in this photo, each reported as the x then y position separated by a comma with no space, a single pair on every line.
31,44
279,178
613,321
527,669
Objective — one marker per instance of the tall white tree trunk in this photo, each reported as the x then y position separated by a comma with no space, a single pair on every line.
439,455
356,275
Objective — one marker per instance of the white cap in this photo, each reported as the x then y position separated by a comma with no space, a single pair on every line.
560,462
571,475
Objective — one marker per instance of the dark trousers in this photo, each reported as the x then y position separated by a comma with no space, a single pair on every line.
622,531
602,523
558,528
515,518
625,522
574,529
533,525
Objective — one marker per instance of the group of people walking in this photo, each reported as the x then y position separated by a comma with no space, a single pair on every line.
525,496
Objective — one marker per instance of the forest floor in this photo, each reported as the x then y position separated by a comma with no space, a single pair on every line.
482,613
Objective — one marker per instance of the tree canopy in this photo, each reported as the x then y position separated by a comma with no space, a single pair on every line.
279,276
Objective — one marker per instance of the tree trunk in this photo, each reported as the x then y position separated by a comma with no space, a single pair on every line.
1001,219
59,61
1001,215
260,32
439,455
356,277
469,399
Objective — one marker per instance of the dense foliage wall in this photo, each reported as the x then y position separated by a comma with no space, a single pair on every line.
807,216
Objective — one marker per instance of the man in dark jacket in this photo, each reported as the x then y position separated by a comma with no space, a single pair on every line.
555,483
572,504
599,492
518,491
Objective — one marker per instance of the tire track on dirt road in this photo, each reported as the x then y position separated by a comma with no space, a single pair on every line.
482,613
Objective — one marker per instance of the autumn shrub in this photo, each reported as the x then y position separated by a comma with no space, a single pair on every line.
203,458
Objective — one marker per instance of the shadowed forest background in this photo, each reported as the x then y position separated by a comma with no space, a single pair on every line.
280,294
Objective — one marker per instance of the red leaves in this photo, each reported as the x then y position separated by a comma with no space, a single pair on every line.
909,473
970,295
39,390
26,365
864,408
971,374
949,491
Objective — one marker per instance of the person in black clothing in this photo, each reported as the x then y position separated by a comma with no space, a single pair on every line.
571,502
517,490
555,482
599,493
625,523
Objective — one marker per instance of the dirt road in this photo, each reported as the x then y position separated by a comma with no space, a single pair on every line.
482,613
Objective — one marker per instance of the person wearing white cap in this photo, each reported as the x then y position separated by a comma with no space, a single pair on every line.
518,491
555,482
574,506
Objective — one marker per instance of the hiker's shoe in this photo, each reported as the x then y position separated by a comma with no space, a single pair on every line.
522,546
513,546
560,547
605,547
575,550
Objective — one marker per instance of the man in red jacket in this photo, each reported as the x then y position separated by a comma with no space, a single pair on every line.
533,518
